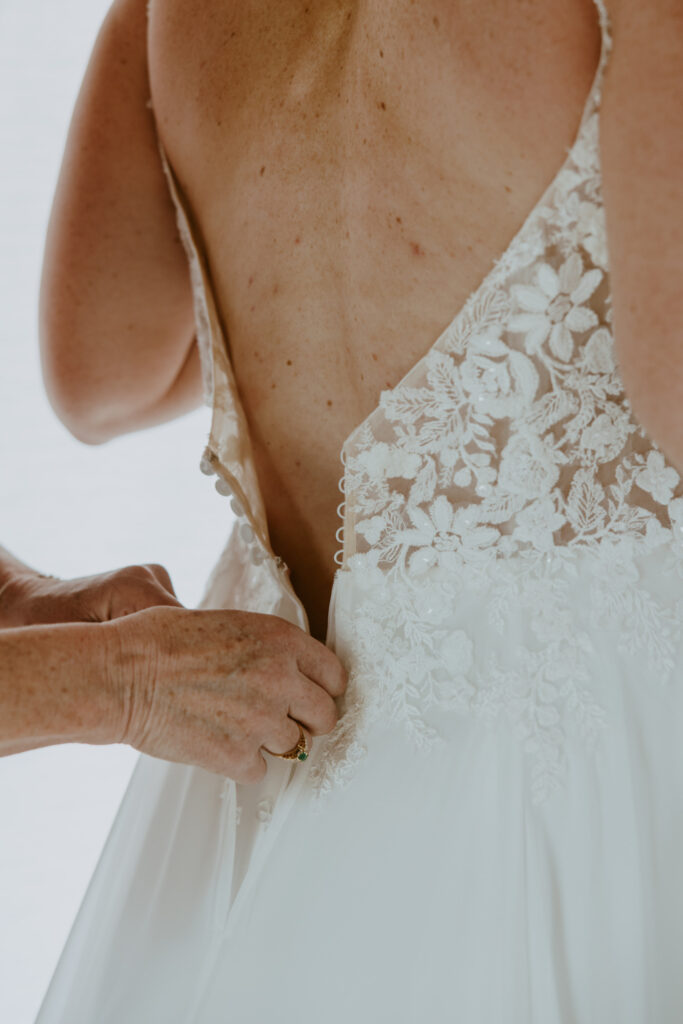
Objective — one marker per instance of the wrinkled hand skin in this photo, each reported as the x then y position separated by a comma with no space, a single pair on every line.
216,688
210,688
32,599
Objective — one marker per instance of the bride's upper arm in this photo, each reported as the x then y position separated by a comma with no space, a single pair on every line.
641,141
116,309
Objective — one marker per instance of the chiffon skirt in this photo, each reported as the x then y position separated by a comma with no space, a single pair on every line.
431,887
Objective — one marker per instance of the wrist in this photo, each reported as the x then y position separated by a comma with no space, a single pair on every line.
97,705
125,673
14,598
20,592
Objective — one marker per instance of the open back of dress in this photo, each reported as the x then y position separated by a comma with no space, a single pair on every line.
493,832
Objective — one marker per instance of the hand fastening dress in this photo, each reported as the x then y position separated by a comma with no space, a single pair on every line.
493,834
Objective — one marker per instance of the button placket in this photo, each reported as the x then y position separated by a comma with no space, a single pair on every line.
257,554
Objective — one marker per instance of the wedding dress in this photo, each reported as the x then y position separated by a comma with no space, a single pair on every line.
494,830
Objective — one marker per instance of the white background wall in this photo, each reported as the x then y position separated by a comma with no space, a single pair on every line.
66,508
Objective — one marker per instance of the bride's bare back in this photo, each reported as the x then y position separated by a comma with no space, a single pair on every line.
354,169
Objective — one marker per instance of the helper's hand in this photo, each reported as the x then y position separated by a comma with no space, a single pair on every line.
212,688
32,599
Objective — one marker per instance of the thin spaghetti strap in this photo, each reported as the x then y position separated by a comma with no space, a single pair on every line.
605,23
193,251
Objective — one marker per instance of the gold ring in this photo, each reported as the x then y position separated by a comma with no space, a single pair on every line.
297,753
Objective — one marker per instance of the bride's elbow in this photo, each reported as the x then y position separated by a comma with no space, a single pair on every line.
74,408
102,384
73,392
112,363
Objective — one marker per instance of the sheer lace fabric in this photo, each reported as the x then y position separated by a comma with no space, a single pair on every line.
507,451
505,465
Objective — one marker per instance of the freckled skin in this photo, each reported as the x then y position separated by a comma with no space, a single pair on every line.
372,161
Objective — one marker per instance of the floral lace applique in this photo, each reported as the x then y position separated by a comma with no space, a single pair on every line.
408,659
508,453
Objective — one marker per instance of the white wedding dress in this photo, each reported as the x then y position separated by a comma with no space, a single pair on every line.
493,834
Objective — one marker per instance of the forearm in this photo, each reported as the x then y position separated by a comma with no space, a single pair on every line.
13,573
56,687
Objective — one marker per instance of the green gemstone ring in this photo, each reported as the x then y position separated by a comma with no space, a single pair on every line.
297,753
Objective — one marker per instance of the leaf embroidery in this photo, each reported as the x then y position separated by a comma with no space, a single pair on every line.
513,454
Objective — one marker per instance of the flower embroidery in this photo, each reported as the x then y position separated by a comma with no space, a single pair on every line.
554,306
604,438
529,465
591,225
443,532
598,355
500,468
658,478
537,523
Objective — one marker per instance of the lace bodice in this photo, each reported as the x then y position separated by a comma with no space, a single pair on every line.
513,432
506,465
507,458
